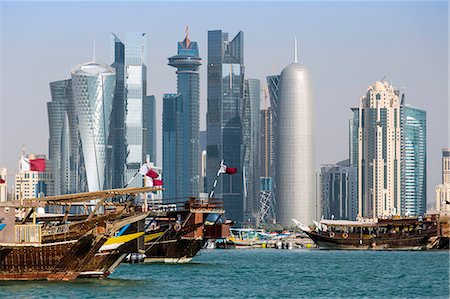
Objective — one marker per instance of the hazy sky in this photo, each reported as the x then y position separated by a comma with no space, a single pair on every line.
345,45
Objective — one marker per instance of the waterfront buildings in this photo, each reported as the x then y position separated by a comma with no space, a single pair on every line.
3,184
185,121
93,88
443,190
414,162
388,148
224,117
338,191
294,146
250,149
378,151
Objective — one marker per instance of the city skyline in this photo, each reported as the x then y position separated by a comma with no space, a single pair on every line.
335,91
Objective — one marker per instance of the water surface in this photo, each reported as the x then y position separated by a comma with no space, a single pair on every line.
264,273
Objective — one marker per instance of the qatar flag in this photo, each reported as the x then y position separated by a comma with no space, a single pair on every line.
157,183
32,164
228,170
2,181
147,171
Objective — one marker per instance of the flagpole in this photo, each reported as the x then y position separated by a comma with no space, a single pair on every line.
211,194
129,182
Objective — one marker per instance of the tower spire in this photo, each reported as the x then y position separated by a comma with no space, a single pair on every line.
93,52
295,51
187,40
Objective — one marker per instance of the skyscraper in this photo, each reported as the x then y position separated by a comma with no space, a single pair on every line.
250,146
149,135
93,88
187,62
223,119
414,162
59,145
338,188
136,87
443,190
169,136
294,146
376,147
117,131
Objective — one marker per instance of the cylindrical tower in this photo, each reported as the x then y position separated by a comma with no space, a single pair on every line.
93,90
294,147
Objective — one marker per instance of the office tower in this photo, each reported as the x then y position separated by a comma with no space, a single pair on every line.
3,184
169,136
294,146
187,62
338,191
149,135
117,131
223,120
414,162
250,146
93,88
375,148
136,88
59,144
202,185
443,190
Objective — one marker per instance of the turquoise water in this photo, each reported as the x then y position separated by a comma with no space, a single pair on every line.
264,273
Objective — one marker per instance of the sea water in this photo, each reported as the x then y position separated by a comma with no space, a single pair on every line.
264,273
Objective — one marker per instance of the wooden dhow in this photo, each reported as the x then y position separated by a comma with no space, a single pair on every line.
36,246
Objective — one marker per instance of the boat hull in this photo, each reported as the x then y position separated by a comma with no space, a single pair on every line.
173,251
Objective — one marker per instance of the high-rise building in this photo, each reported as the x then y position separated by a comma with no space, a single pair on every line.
414,162
443,190
59,140
117,131
169,136
294,146
136,91
93,88
187,61
3,184
377,134
338,191
149,135
250,149
224,117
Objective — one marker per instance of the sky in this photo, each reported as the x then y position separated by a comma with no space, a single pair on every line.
345,45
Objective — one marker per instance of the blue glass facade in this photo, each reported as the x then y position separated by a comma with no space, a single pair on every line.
251,142
187,151
136,88
149,137
169,135
224,128
414,161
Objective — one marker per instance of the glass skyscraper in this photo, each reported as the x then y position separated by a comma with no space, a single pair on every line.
169,135
59,145
414,162
187,151
93,88
250,143
136,87
224,130
133,122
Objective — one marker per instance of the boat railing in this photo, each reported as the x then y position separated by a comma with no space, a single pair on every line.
192,203
28,233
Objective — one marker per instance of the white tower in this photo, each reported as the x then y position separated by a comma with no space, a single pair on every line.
294,146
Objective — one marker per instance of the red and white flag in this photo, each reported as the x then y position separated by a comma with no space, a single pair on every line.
2,181
147,171
32,164
228,170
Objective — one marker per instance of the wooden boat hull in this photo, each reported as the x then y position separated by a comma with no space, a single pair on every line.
173,251
407,243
